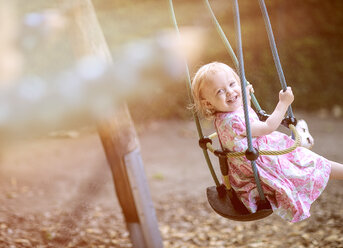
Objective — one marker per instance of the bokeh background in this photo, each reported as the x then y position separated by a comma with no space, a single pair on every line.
308,35
56,188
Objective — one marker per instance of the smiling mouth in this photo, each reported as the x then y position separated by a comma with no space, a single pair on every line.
232,100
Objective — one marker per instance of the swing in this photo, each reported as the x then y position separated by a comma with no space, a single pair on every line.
222,197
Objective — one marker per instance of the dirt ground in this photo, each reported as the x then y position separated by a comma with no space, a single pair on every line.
57,191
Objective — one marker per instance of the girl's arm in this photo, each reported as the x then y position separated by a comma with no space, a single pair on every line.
260,128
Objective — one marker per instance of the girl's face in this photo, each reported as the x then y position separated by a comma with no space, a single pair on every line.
222,93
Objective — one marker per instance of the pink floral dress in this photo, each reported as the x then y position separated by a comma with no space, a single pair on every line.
291,182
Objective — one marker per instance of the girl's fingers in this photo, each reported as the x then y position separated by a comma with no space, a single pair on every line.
250,88
289,89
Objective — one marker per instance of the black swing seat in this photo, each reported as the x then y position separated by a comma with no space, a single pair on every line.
230,207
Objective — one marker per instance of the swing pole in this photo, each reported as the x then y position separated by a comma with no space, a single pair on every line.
119,138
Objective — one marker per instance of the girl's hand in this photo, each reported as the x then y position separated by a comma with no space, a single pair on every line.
249,89
260,128
287,96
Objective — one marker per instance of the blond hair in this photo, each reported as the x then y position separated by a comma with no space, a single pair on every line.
202,76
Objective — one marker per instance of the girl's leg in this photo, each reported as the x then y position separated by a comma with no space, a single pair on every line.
336,171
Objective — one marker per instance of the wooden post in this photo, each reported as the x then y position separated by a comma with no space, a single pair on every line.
119,138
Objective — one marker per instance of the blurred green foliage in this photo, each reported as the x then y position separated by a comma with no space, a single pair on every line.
308,34
309,37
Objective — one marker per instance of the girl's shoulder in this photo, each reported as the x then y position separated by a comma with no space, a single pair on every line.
235,118
225,116
238,114
229,118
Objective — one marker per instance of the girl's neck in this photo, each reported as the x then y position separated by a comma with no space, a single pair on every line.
228,112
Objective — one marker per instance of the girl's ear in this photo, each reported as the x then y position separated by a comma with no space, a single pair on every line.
206,103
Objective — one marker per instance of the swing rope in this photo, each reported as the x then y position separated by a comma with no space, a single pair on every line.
189,91
230,50
251,149
261,152
239,63
274,51
253,98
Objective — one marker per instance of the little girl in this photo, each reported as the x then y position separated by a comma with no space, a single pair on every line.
291,182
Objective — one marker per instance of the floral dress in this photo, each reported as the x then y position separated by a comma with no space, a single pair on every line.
291,182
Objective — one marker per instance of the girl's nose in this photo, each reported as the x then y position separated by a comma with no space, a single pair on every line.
229,91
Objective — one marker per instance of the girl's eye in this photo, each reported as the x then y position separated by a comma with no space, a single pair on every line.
232,84
221,91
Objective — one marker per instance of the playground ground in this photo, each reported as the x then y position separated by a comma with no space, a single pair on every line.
57,191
